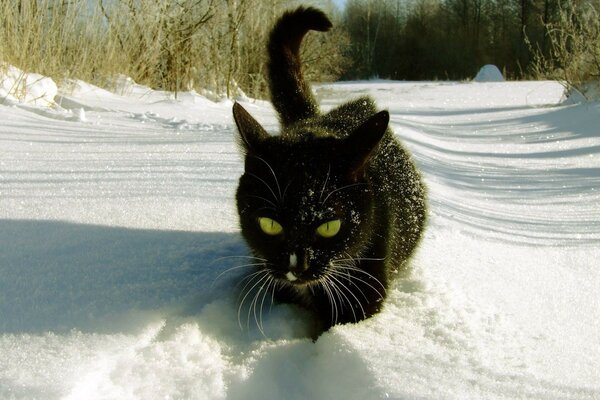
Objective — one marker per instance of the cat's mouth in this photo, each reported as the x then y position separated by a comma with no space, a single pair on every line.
300,271
290,276
300,278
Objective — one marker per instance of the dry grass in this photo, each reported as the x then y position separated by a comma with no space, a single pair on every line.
56,40
215,45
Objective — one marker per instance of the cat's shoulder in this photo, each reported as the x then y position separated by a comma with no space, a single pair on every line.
338,122
360,108
347,117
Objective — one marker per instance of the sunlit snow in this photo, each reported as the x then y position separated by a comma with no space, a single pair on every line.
117,224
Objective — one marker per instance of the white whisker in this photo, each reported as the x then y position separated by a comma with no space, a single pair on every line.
228,257
262,303
258,281
275,283
274,176
360,259
325,184
232,269
253,305
285,190
263,199
338,276
341,292
334,308
363,281
249,277
264,183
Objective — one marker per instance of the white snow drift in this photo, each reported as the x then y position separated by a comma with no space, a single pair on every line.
17,86
117,220
489,73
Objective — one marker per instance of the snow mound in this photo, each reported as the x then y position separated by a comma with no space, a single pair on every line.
489,73
17,86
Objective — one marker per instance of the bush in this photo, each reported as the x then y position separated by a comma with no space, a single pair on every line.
574,47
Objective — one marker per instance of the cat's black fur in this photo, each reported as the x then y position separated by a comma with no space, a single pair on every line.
346,165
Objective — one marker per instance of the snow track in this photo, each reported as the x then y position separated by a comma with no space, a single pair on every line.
117,227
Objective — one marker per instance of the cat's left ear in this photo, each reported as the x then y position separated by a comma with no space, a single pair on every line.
251,132
362,144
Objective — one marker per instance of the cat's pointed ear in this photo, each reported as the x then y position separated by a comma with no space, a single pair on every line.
362,144
251,132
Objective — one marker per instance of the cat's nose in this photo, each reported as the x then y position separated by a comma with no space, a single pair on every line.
298,264
293,261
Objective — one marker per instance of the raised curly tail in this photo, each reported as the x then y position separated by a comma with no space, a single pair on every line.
290,94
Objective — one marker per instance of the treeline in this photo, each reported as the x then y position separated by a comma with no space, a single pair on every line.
218,46
452,39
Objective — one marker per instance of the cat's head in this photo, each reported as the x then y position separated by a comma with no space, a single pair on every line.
305,201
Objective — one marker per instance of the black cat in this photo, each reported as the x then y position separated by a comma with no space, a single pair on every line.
333,207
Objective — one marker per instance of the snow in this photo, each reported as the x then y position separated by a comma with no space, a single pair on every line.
17,86
118,229
489,73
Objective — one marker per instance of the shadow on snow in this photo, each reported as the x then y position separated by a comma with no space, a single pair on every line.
57,276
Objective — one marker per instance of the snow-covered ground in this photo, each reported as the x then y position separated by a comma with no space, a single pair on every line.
117,220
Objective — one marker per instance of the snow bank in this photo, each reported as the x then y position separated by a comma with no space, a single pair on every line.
17,86
489,73
588,92
120,254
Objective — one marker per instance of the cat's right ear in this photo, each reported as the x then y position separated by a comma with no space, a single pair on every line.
362,144
251,133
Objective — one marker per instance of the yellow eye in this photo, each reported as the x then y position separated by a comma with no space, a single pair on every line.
329,228
270,226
